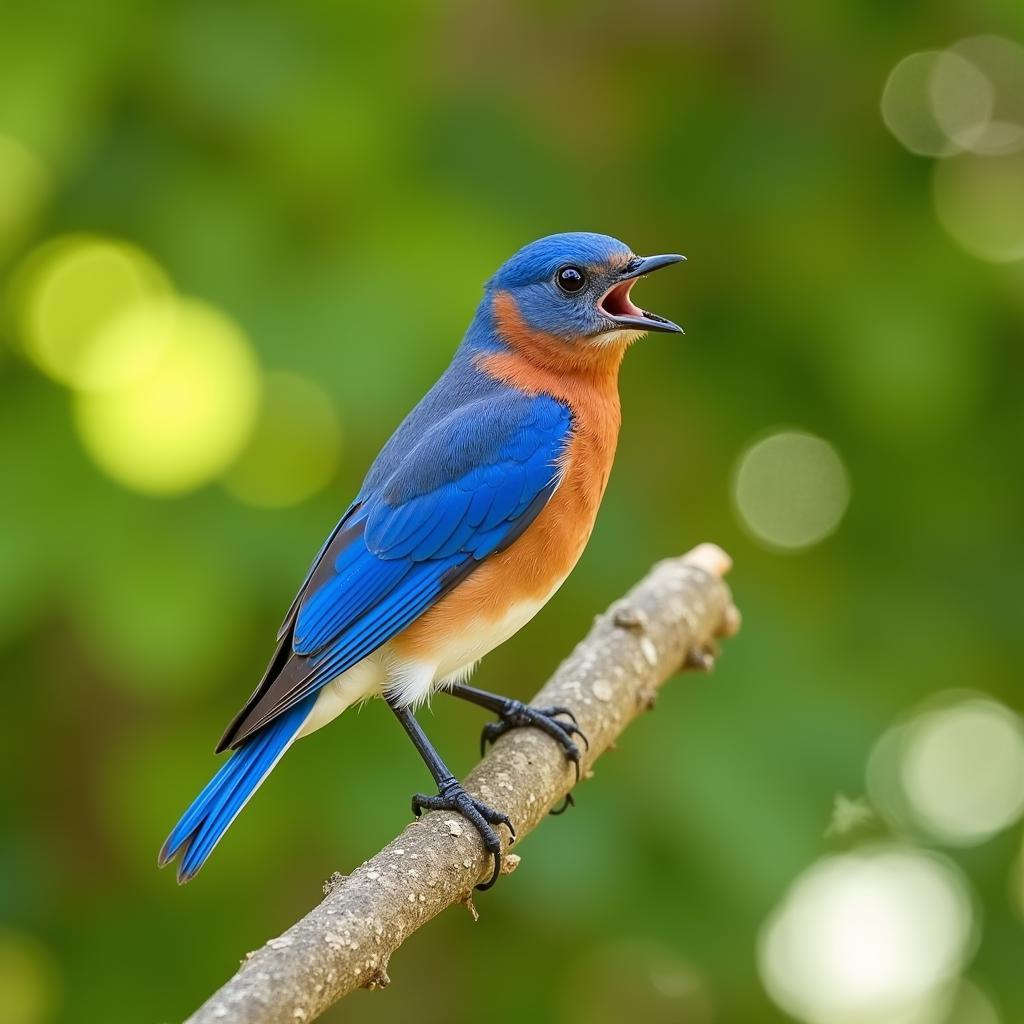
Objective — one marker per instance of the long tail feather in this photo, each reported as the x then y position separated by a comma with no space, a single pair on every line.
224,796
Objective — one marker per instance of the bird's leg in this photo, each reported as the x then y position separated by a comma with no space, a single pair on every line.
450,794
514,714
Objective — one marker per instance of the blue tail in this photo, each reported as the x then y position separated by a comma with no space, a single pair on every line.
211,813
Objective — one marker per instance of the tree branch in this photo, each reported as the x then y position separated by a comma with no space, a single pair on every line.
666,622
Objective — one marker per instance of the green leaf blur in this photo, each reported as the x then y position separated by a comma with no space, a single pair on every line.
318,191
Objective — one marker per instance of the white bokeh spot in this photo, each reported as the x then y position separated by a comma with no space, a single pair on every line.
953,771
963,771
968,98
868,938
790,490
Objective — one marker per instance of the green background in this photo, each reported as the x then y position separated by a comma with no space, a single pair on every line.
340,180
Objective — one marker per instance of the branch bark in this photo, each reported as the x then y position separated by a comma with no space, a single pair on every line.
666,622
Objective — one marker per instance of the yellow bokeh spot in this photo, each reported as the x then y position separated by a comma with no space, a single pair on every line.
29,979
127,345
293,451
186,415
69,291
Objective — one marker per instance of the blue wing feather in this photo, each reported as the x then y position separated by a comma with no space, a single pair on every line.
468,486
342,599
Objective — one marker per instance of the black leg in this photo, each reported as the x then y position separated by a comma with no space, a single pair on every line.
514,714
450,794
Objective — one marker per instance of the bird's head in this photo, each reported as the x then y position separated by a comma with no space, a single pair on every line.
576,287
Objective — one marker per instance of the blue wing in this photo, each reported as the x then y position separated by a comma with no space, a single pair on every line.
465,488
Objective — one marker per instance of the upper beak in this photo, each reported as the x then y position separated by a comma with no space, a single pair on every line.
617,306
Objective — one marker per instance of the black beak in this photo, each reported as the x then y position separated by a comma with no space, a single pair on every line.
617,306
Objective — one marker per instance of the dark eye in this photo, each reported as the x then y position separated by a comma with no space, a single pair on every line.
570,279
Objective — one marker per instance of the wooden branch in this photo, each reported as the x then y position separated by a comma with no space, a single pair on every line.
667,622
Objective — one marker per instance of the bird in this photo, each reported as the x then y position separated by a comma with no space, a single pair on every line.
470,518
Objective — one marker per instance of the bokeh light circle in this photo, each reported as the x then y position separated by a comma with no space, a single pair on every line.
907,109
186,416
790,490
980,202
954,771
1001,62
963,770
865,937
127,344
962,98
70,289
293,450
968,97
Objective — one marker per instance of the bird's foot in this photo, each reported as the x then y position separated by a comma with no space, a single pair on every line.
517,715
452,797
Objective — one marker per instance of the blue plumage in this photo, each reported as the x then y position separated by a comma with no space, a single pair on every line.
413,543
470,484
535,264
341,600
210,814
462,477
531,270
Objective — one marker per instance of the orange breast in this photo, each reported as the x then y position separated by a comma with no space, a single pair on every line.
531,568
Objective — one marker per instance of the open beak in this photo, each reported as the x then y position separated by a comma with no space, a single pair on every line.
618,307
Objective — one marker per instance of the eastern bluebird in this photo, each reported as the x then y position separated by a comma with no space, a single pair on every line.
471,517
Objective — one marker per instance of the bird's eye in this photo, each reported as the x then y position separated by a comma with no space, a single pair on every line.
570,279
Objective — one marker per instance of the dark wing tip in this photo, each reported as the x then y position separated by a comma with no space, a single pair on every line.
234,734
184,877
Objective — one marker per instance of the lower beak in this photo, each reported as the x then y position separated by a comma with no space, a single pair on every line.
618,307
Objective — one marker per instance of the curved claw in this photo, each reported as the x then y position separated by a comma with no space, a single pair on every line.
484,886
572,728
569,801
561,731
518,715
493,817
559,709
454,798
573,754
495,850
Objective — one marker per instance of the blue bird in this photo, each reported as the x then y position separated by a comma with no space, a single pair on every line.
471,517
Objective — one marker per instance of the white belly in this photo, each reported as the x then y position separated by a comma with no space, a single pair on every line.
482,636
412,681
361,681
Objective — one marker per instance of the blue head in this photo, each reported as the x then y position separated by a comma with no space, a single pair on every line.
576,286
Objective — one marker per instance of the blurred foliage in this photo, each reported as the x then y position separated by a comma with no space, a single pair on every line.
338,180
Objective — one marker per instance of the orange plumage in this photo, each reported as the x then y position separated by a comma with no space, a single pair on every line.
533,567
